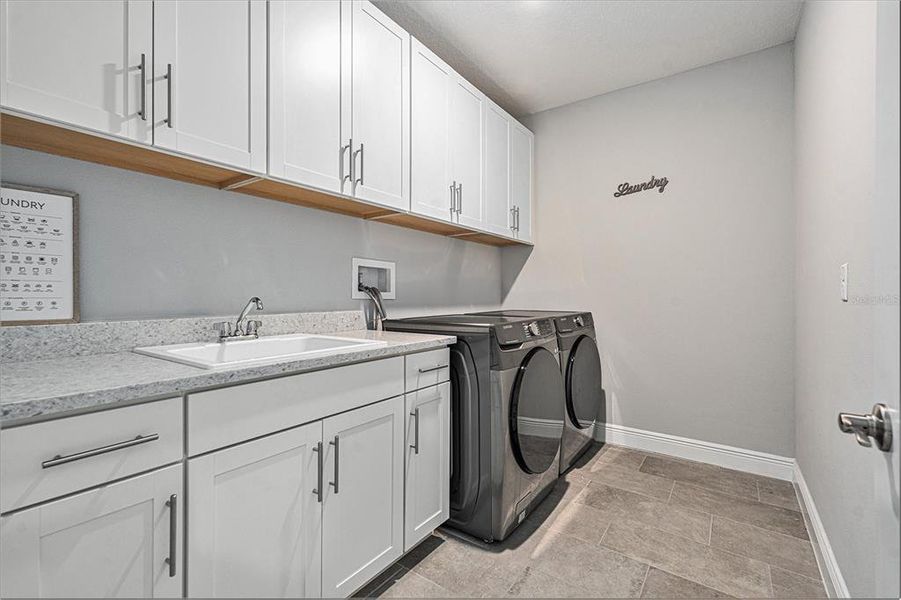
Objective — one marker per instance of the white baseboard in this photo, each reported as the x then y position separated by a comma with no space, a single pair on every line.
829,569
752,461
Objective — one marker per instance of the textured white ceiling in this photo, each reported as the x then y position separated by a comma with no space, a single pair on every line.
532,55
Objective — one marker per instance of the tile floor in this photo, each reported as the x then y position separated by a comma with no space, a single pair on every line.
628,524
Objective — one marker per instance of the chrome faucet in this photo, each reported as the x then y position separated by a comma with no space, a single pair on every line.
244,328
379,309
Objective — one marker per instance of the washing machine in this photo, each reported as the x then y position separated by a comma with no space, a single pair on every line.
580,364
507,417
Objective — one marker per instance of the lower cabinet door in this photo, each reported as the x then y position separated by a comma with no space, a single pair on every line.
362,514
427,491
122,540
254,518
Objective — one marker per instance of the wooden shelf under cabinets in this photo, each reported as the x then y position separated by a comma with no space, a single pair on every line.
16,130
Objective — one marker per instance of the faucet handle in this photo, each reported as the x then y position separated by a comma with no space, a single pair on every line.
253,328
224,328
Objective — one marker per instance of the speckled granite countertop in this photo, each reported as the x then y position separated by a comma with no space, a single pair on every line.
37,389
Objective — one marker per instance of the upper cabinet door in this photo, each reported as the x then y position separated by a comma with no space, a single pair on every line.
431,192
254,518
80,63
521,179
307,127
380,108
210,80
467,124
498,216
109,542
363,510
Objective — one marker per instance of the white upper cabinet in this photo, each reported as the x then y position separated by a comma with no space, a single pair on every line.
210,80
80,63
432,190
498,213
521,180
380,108
467,134
122,540
363,508
254,518
307,120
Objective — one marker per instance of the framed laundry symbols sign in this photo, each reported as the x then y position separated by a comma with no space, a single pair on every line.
38,255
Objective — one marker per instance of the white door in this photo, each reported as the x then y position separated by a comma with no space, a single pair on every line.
380,108
362,514
210,80
80,63
427,483
466,126
431,191
307,128
254,518
521,180
498,218
113,541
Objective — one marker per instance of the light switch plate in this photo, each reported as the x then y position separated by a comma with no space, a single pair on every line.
844,282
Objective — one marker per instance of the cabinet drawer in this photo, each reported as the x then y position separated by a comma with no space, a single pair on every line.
427,368
230,415
49,459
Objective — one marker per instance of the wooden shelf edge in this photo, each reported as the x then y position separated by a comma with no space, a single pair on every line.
43,136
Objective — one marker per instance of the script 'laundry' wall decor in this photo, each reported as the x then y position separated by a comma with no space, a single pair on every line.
626,188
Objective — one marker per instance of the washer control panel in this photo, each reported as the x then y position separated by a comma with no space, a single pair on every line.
516,333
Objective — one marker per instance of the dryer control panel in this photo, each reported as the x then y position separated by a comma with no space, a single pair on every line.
509,334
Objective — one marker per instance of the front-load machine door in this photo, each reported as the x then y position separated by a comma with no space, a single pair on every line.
584,394
537,407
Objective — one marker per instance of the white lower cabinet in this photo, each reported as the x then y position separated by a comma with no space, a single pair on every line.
427,462
363,508
121,540
254,518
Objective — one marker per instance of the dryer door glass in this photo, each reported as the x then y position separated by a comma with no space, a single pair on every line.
536,411
584,395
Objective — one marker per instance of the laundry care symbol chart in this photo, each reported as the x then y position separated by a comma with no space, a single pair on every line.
37,255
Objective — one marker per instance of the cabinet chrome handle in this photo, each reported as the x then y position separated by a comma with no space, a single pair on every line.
453,197
415,444
349,175
143,69
334,483
435,368
517,219
512,218
172,503
318,490
168,78
359,180
61,460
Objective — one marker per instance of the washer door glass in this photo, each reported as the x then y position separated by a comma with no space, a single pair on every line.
583,383
536,411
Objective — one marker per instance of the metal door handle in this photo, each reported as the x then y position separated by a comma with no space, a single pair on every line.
453,192
318,490
415,444
459,198
430,369
168,78
350,163
334,483
876,425
61,460
143,68
513,218
172,503
517,219
353,159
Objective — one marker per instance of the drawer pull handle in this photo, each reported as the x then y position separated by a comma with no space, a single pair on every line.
334,483
172,503
319,490
431,369
61,460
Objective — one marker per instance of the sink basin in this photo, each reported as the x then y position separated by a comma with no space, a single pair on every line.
263,350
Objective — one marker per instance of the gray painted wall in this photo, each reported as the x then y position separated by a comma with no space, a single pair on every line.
691,289
152,247
847,353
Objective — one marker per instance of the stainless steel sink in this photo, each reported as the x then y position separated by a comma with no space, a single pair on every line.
262,350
